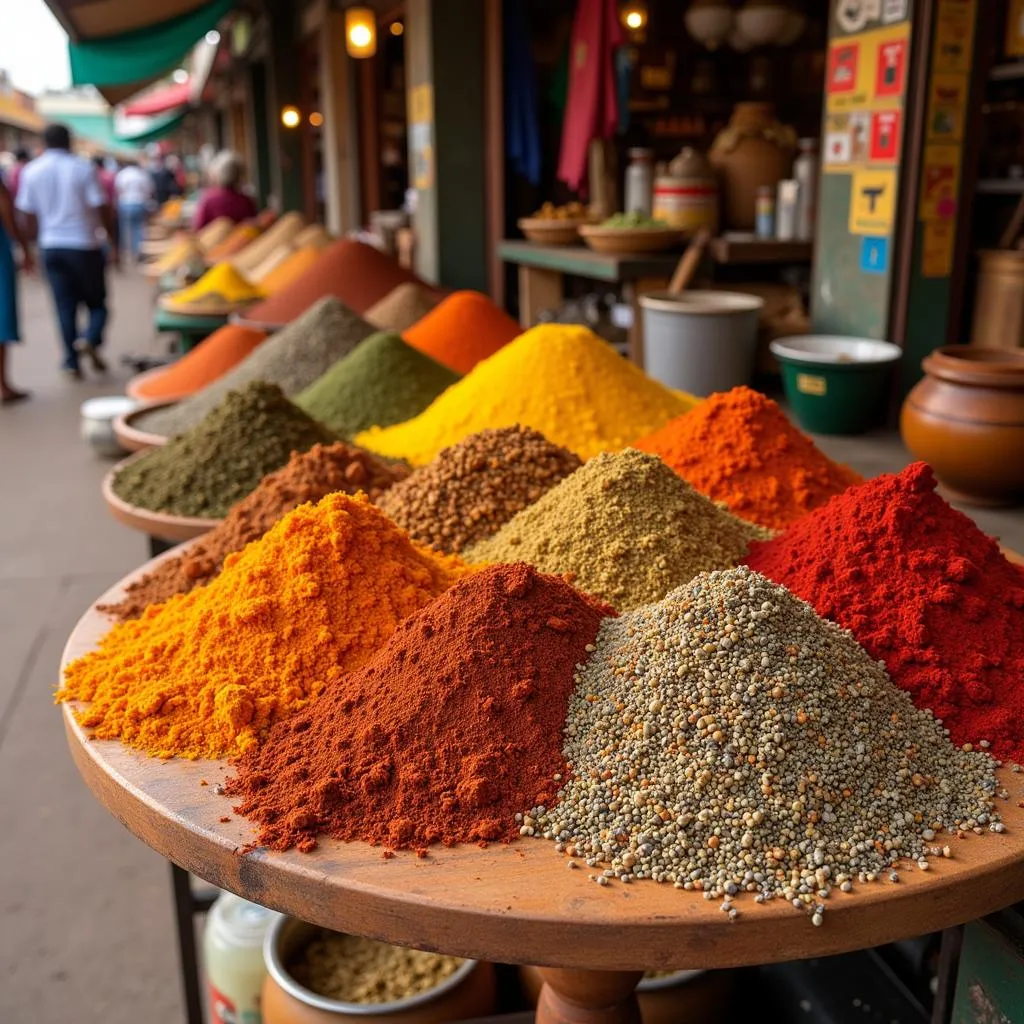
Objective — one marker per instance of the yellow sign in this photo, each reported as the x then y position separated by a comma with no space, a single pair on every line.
937,248
954,37
868,71
947,107
872,202
940,182
421,104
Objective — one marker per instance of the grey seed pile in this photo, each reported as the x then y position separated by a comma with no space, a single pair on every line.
292,359
470,490
401,308
728,740
626,527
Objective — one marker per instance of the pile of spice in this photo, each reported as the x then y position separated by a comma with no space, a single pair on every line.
292,359
308,476
473,488
185,251
383,381
449,731
210,359
560,379
925,591
738,447
464,329
214,233
290,269
401,308
236,239
357,970
355,273
209,672
280,233
204,471
726,739
625,527
221,284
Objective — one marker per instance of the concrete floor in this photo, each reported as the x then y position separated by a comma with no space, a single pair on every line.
87,932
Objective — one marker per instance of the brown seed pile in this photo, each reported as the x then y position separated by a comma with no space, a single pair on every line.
624,527
473,488
308,476
357,970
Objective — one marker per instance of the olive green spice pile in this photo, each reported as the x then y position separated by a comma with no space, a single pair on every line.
727,739
357,970
625,527
292,359
204,471
470,490
381,382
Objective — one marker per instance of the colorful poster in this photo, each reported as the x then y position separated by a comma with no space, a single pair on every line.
940,182
954,37
837,143
893,11
891,68
874,255
857,15
885,136
842,67
947,107
937,248
872,202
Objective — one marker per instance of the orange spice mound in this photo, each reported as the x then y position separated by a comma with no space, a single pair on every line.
241,235
208,673
738,447
290,270
221,351
462,330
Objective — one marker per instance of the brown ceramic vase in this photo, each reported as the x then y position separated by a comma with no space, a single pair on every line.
966,418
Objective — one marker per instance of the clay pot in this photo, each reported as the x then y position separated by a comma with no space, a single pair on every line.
468,993
966,418
752,150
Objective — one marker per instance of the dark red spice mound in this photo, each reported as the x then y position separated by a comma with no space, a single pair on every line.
922,589
453,728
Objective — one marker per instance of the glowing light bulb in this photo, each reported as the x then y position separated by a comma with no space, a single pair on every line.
290,117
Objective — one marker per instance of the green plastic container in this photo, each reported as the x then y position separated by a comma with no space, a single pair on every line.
835,384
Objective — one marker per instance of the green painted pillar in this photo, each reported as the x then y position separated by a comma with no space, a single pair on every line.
445,83
283,68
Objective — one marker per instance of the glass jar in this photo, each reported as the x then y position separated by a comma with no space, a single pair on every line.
639,182
805,171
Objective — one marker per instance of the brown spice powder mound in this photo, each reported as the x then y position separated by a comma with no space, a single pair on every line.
473,488
308,476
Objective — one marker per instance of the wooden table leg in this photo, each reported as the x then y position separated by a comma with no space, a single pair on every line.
539,289
588,997
631,292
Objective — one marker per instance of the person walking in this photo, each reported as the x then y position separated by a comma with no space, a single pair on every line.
224,197
9,330
22,157
134,189
64,206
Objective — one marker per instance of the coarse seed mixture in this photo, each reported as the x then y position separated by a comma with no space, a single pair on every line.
626,528
476,486
726,739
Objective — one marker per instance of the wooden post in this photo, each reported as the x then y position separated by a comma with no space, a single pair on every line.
588,997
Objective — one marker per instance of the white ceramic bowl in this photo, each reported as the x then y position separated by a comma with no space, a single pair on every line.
98,415
835,348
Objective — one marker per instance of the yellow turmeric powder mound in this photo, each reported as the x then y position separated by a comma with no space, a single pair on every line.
220,283
560,379
207,673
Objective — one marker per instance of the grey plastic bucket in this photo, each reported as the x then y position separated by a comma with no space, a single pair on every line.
700,341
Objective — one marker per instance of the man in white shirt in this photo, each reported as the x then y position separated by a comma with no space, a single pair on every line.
134,188
64,206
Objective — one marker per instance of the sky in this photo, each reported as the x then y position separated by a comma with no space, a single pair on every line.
33,50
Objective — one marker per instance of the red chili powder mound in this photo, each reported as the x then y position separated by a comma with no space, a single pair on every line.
463,329
449,731
922,589
210,359
738,447
354,272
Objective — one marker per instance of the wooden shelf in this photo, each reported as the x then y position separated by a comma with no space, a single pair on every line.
760,250
1007,72
1000,186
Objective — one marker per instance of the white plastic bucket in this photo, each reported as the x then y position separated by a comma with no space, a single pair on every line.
700,341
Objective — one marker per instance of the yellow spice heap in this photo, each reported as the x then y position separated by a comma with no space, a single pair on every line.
220,282
560,379
207,673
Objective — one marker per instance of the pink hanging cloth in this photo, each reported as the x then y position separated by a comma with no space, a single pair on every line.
592,108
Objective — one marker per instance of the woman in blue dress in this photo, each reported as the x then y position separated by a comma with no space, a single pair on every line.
9,333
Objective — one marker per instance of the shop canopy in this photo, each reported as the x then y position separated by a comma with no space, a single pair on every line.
160,101
140,131
97,131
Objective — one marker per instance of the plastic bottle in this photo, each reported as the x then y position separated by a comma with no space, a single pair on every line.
233,949
805,171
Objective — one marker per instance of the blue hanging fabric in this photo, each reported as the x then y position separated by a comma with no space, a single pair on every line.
623,74
522,127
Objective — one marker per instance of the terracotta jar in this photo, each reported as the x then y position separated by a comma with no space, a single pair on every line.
966,418
686,197
751,151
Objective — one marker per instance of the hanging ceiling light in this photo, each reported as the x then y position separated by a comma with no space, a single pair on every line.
796,22
709,22
360,32
762,21
290,117
634,16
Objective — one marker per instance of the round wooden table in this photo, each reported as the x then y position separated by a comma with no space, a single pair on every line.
518,903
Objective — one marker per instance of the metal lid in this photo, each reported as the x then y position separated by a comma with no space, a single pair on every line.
241,923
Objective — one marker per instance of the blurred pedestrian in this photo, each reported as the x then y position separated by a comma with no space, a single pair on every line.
9,328
21,159
64,206
224,197
165,184
135,190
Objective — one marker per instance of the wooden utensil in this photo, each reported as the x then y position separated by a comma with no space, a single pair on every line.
1009,237
689,261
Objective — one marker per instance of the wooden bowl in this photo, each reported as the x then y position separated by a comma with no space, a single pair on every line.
154,524
628,241
546,231
211,307
131,437
131,389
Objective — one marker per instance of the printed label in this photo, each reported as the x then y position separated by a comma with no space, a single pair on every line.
811,384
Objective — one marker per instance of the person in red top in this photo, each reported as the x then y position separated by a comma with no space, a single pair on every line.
21,158
224,197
